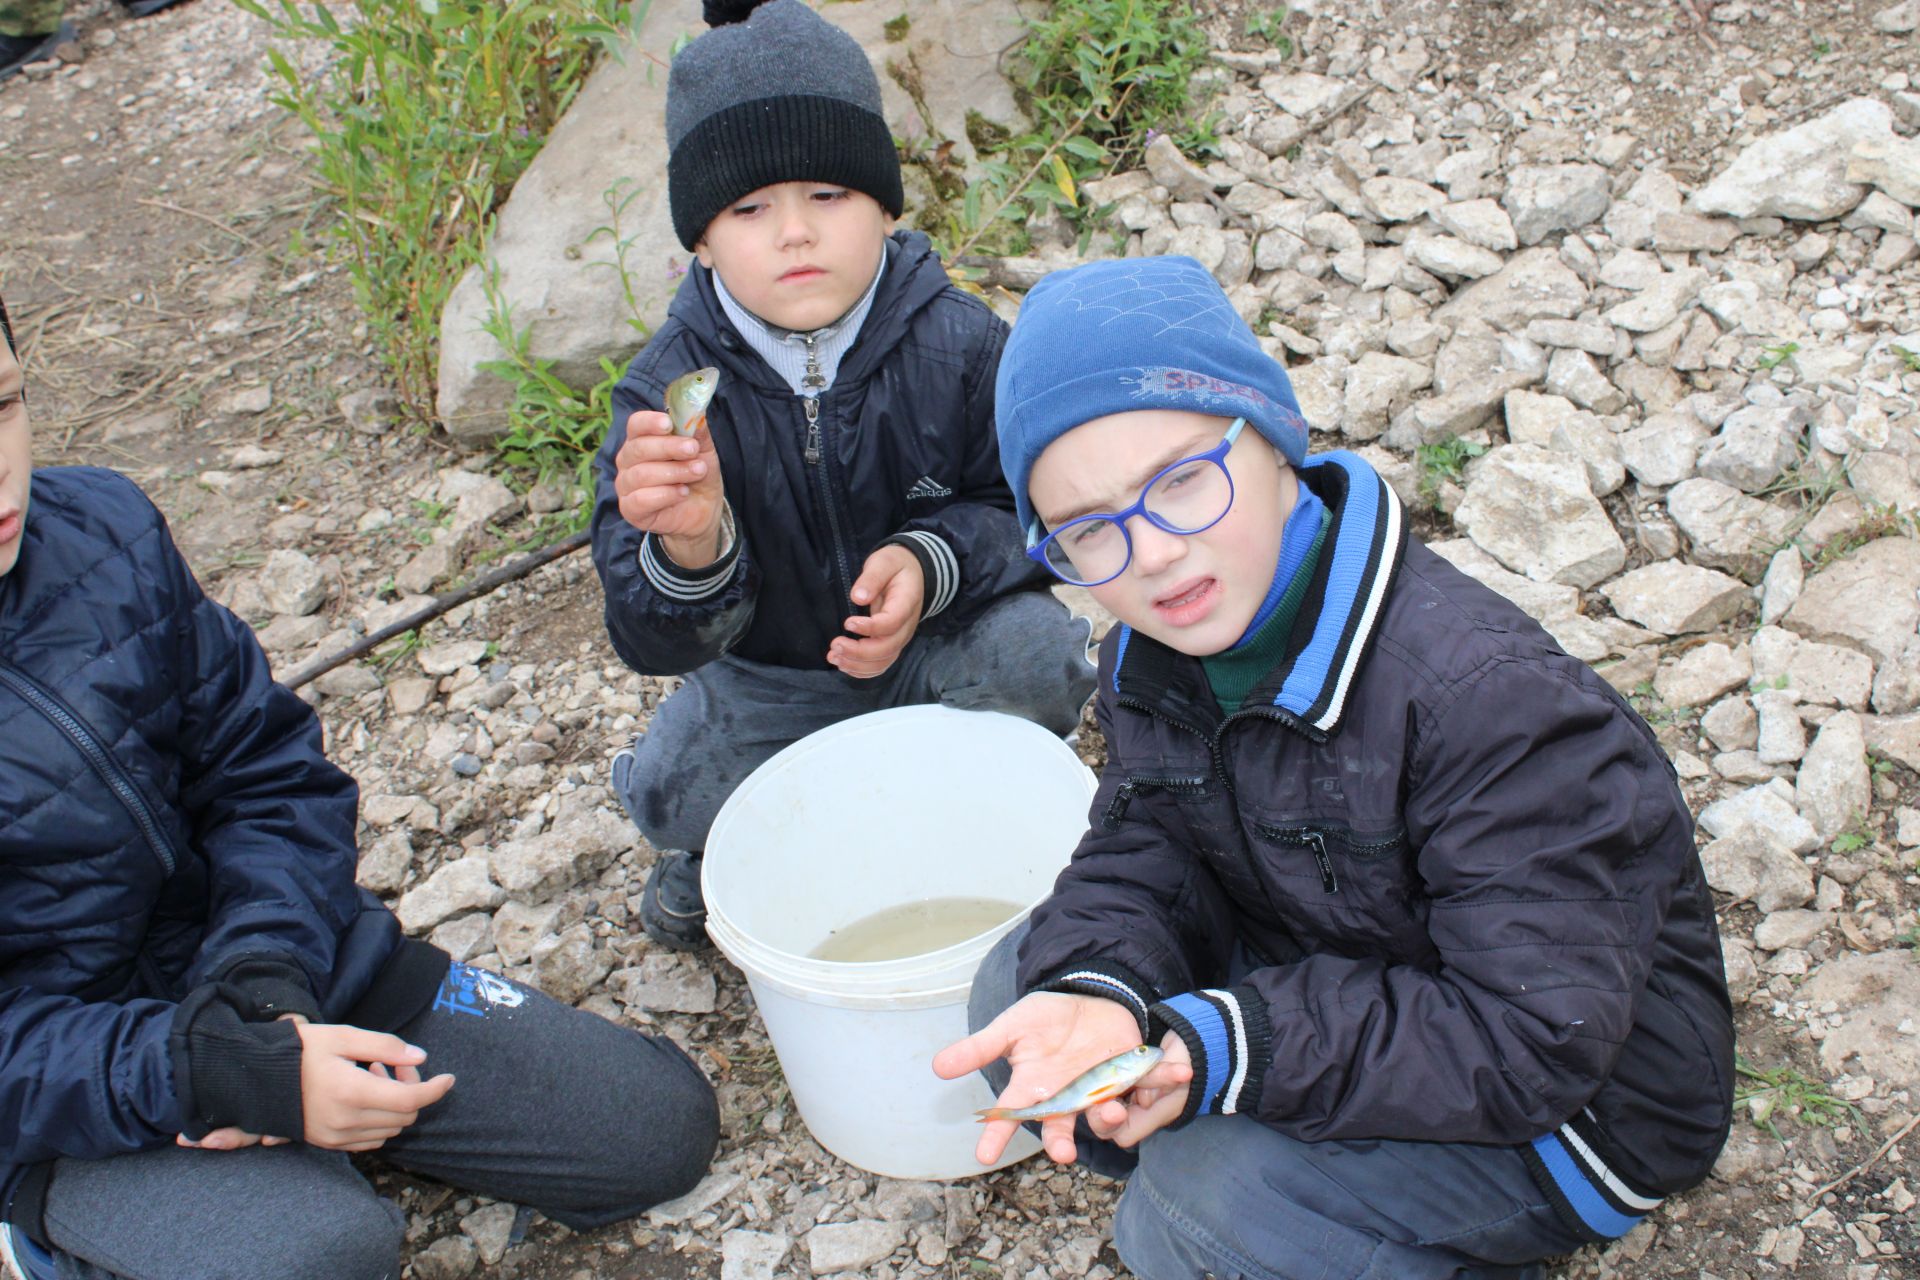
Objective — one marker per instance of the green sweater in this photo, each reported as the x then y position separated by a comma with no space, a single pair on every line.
1233,672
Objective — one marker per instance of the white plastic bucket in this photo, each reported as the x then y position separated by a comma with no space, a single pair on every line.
912,804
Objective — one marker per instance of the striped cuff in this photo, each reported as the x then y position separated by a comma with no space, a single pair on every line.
939,567
1228,1037
1108,981
1593,1199
689,585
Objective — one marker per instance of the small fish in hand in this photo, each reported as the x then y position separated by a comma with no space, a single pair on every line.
688,397
1095,1085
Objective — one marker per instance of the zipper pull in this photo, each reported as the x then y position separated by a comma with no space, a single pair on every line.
1117,807
1320,856
813,430
814,377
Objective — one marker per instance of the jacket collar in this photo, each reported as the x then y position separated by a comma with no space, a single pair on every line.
912,277
1309,687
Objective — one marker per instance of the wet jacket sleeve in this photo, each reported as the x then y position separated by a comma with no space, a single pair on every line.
1530,828
1135,915
273,817
662,619
972,551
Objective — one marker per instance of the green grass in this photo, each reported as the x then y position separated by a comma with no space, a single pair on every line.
1771,1092
1265,24
1098,79
1775,356
1911,359
424,116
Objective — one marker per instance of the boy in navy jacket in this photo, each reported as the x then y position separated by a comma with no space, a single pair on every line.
200,1012
838,539
1407,895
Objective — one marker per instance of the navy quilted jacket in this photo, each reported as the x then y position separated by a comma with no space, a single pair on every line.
167,820
1461,863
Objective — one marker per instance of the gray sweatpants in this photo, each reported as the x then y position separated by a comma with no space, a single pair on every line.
552,1107
1026,655
1227,1197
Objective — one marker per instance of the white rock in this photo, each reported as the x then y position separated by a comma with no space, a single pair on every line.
1302,93
1752,866
464,937
1689,233
1478,222
568,853
1898,19
1658,304
1542,199
1598,448
1731,725
1783,734
569,965
1896,685
1179,175
852,1246
666,984
517,926
1786,575
710,1191
1401,199
1835,789
1446,256
1879,994
1790,928
1532,510
1574,375
1533,284
446,658
752,1255
1728,529
1542,601
1379,385
1675,598
383,865
1895,738
293,583
1891,164
1820,674
490,1228
1662,450
1799,174
1767,809
1702,674
461,885
1754,446
1866,600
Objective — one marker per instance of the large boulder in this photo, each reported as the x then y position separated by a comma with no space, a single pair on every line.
1533,510
558,272
1801,173
1866,601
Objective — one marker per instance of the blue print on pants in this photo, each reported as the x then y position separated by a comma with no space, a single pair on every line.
476,992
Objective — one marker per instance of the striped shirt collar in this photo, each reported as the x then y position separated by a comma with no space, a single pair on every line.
786,350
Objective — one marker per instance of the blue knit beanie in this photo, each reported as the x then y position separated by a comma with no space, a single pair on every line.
1126,334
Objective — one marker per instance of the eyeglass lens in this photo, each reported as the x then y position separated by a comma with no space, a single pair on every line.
1185,498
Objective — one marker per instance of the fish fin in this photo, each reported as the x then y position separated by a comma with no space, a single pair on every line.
1106,1091
993,1113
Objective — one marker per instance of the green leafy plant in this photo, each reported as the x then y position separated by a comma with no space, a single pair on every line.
1444,460
1099,79
1849,842
1775,356
1769,1092
421,121
1265,24
397,650
1909,358
1822,46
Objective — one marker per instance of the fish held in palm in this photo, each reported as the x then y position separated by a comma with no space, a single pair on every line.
1097,1084
688,397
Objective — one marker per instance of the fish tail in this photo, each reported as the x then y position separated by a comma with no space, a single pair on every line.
994,1113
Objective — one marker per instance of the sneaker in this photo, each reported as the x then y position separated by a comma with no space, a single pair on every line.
24,1259
671,909
17,51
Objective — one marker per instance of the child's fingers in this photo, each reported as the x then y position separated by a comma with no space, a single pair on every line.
1165,1077
994,1137
989,1044
656,475
1056,1136
644,504
360,1045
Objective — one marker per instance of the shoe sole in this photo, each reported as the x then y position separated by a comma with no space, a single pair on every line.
40,52
669,928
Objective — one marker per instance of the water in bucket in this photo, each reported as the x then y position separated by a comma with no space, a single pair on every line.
913,929
977,813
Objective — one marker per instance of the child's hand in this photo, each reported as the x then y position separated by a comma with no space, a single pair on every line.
1049,1039
1154,1103
892,587
348,1107
669,486
228,1139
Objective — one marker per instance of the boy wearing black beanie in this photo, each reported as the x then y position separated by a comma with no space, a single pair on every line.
837,537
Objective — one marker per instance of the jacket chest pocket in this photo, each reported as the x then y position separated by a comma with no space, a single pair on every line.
1344,891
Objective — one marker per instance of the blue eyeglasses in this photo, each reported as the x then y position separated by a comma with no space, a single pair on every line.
1188,497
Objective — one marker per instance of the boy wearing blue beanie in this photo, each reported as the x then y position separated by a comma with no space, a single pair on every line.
839,538
1407,896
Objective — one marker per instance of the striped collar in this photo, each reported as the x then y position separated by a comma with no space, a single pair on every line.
1310,686
786,349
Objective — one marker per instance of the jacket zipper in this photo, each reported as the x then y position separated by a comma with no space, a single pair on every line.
815,455
99,758
1117,807
1311,839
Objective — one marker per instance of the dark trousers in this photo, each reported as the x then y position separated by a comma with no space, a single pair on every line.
1229,1198
1025,655
552,1107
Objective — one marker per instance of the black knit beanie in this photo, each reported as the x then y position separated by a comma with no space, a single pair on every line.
774,93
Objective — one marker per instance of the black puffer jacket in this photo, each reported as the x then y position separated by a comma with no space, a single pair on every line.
1461,858
904,445
170,832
